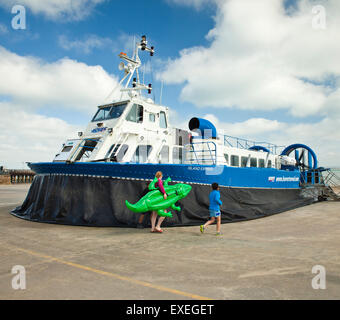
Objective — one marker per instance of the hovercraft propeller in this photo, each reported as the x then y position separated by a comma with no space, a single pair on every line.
305,157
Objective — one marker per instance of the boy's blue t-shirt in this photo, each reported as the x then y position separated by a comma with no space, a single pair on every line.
214,200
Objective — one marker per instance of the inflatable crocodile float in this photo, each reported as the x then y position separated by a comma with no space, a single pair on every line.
154,199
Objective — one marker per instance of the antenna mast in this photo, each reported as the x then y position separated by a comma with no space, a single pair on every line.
131,67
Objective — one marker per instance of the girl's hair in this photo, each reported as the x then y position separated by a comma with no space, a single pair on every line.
158,174
214,186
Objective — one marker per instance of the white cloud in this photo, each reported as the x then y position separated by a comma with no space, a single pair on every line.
262,57
65,83
29,84
30,137
85,46
251,127
258,57
57,9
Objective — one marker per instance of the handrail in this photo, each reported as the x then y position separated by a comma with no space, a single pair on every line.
331,178
241,143
212,152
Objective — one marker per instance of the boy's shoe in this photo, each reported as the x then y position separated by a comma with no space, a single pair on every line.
218,233
202,228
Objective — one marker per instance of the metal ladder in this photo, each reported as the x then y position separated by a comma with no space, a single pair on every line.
332,184
204,156
331,178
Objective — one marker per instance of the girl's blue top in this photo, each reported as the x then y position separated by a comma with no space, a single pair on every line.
214,199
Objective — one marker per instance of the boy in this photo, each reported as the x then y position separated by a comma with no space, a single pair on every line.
214,209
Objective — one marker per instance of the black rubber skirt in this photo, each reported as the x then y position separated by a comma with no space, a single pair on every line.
100,202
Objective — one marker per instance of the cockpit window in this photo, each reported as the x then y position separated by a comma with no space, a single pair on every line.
102,114
110,112
116,111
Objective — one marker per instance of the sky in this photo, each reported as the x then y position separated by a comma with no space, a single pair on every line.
265,70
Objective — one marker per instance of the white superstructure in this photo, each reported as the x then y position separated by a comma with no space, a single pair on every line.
137,130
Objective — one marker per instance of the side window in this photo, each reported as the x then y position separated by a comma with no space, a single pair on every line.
67,149
117,152
162,120
253,162
152,117
177,155
269,164
226,157
261,163
244,161
135,114
141,154
164,154
234,161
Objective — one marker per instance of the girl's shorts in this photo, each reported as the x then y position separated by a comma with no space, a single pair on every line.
214,213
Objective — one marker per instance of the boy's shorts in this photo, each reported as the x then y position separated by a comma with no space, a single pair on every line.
214,213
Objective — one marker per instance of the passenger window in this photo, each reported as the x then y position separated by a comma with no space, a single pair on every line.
177,155
244,161
115,156
253,162
269,164
226,157
261,163
141,154
234,161
162,120
135,114
164,155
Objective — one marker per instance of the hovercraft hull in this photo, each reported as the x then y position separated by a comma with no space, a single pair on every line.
94,194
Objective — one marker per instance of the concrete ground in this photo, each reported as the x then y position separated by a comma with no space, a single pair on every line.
269,258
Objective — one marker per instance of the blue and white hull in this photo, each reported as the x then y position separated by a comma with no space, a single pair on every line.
94,194
258,178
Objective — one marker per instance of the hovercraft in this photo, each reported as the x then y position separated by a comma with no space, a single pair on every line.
128,140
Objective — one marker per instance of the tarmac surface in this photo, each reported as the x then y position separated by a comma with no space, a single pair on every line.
268,258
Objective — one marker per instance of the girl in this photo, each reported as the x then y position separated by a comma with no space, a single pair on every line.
153,217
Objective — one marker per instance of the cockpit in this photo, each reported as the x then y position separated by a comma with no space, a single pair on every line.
109,112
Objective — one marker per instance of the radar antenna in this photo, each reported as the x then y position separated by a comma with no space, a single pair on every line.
131,66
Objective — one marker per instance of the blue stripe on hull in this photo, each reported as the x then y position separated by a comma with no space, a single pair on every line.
223,175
